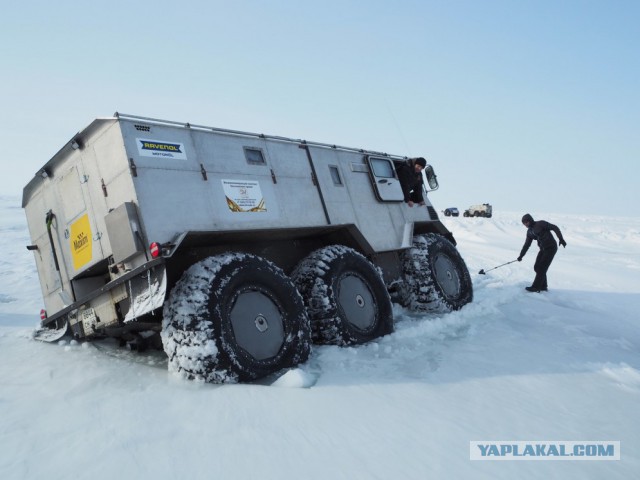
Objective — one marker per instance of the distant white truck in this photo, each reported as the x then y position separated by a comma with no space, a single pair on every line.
482,210
232,250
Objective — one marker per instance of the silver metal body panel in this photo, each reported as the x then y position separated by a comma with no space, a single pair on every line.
180,178
124,230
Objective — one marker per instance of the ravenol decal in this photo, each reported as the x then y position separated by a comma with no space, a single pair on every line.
81,242
161,149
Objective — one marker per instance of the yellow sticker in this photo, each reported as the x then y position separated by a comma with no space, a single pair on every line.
81,242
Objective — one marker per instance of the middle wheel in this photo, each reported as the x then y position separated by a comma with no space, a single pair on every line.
345,296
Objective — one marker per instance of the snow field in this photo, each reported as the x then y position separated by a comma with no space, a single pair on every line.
561,365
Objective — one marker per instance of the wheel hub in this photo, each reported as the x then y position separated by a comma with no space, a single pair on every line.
357,302
261,323
257,324
447,276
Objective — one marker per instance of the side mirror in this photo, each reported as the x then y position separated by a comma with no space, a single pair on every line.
432,178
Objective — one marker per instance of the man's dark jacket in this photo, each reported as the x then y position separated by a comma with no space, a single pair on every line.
410,181
541,231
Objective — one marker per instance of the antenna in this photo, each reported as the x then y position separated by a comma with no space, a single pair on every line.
395,122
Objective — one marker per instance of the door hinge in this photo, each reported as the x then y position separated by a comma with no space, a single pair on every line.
133,168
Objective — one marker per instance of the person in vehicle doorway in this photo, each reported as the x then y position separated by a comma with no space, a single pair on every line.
410,176
541,231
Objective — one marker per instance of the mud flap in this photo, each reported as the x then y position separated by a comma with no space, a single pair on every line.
147,292
50,335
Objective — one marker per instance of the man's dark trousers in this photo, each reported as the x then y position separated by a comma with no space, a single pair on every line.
543,262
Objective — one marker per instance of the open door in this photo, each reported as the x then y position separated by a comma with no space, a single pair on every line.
385,181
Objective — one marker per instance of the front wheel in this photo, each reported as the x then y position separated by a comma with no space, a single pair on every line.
345,296
234,318
435,277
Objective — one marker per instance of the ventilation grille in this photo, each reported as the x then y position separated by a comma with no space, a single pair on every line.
143,128
432,213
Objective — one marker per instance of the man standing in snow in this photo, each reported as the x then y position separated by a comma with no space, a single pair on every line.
541,231
410,176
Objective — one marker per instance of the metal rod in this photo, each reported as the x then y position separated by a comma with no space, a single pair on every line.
126,116
482,272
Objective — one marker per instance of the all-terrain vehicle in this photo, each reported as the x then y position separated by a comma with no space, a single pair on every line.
235,249
451,212
483,210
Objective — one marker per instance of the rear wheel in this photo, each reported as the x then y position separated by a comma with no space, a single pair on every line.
234,318
436,279
345,297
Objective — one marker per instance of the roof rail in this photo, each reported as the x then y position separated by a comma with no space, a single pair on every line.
126,116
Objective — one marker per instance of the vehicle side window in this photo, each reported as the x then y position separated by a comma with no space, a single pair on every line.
254,156
382,168
335,175
384,180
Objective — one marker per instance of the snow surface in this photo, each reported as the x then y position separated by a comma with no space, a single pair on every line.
562,365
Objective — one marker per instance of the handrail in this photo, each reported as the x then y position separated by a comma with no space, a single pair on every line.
126,116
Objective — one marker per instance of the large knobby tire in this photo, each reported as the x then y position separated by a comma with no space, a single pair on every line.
234,318
345,297
435,277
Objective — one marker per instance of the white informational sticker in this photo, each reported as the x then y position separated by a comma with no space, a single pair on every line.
161,149
243,196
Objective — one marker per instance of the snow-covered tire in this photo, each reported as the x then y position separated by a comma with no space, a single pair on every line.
234,318
435,277
345,297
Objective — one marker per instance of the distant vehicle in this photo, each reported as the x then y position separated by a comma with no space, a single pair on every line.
483,210
451,212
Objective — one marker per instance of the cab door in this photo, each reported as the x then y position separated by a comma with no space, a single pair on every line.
385,181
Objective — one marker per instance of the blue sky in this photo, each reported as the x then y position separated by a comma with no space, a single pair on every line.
529,105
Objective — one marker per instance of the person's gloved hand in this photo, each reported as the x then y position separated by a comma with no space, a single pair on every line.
562,243
519,259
